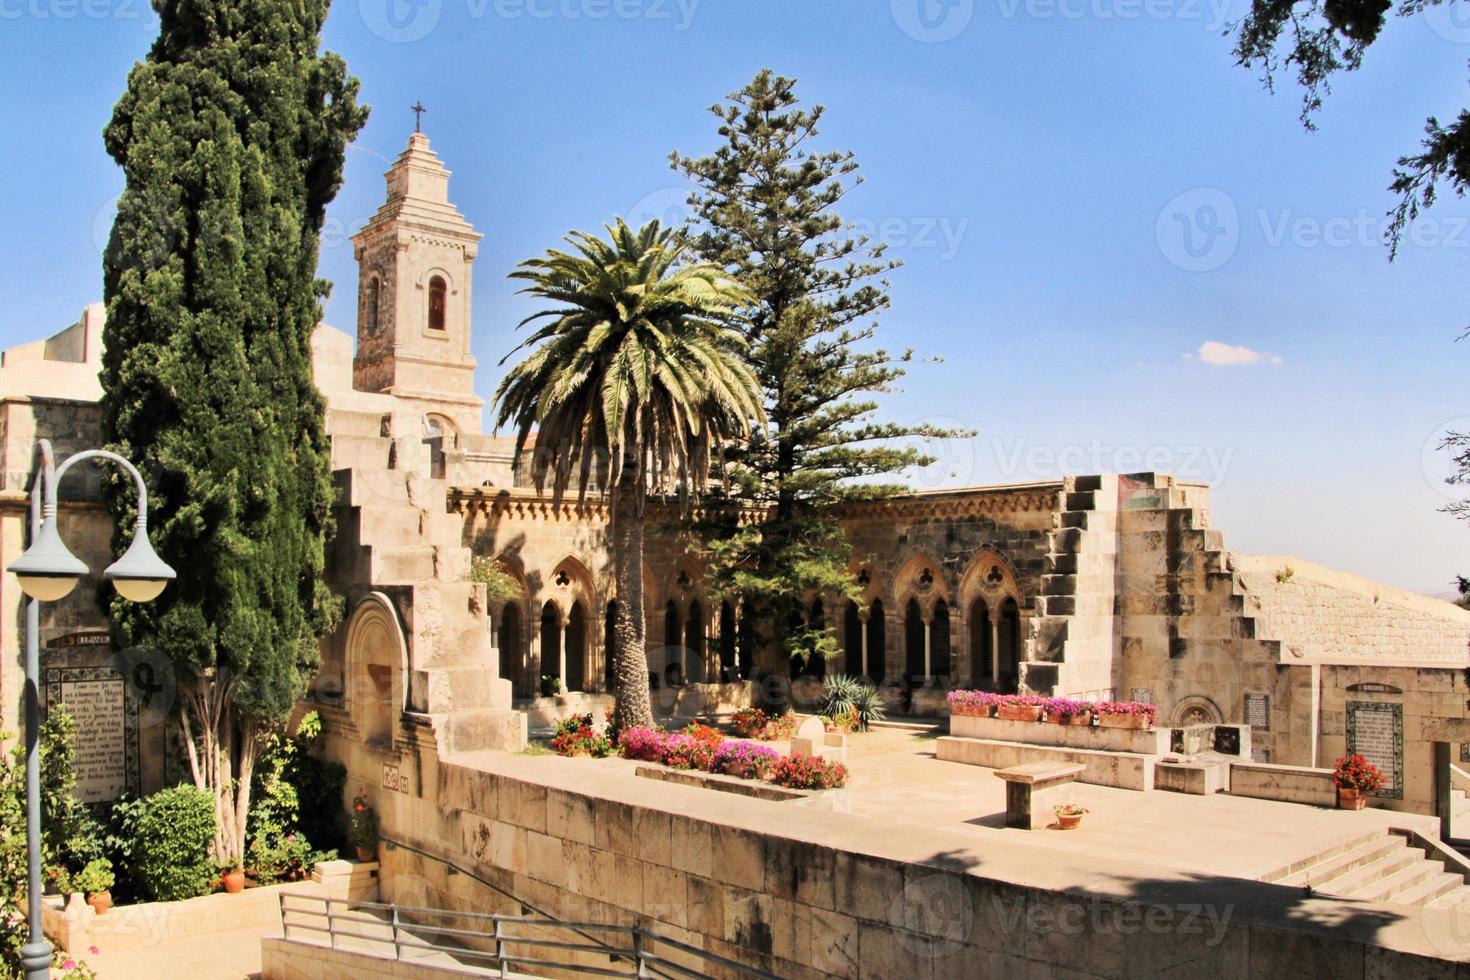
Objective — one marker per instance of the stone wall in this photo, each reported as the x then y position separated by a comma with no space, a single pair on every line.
793,891
1321,614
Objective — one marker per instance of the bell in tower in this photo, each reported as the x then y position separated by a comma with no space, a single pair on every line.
415,260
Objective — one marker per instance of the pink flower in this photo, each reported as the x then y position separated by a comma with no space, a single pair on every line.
69,965
94,950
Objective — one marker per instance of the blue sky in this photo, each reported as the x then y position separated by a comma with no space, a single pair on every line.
1084,192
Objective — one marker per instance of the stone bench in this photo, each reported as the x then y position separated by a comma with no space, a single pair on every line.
1033,789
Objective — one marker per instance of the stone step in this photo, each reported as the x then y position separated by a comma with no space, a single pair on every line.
1344,862
360,452
349,423
360,487
1434,887
1353,882
1080,500
411,563
1416,872
1085,483
1058,584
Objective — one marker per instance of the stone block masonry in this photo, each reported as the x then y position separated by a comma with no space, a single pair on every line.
803,895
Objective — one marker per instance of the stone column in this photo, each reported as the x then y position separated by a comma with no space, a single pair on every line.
863,629
561,645
994,653
928,647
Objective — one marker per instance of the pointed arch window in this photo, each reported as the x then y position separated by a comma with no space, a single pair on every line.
438,299
370,301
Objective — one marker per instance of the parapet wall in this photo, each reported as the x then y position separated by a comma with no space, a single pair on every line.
1325,615
789,889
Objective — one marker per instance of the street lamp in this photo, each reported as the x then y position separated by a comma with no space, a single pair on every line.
47,571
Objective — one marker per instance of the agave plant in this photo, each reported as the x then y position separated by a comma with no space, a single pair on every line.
843,695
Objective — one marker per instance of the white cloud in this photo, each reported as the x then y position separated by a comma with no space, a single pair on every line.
1214,353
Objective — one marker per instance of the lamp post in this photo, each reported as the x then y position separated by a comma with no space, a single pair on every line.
47,571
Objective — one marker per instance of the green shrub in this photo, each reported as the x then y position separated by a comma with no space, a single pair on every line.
172,844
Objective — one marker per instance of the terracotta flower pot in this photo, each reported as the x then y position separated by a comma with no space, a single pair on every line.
234,882
1083,719
1351,799
100,901
1068,821
1019,712
366,854
1134,722
971,710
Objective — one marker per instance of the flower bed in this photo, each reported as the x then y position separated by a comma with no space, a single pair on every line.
808,772
579,735
1061,711
704,749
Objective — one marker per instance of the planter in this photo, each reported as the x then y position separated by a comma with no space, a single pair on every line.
100,902
1135,723
1019,712
1083,719
234,882
1068,821
971,710
1351,799
366,854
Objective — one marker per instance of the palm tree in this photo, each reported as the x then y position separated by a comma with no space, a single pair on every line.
635,380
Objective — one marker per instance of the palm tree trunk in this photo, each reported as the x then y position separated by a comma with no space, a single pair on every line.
630,659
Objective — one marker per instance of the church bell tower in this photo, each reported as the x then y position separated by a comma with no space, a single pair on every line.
414,261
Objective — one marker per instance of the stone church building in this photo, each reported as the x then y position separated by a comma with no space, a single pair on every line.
1096,587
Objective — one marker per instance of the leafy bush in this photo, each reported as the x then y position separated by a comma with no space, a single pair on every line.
808,772
500,584
687,752
172,845
703,733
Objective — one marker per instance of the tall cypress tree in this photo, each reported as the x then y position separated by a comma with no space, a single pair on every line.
767,210
231,136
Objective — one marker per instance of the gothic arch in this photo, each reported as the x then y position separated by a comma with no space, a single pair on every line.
919,579
569,582
376,669
446,320
989,578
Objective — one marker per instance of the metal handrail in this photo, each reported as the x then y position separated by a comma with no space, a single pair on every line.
641,955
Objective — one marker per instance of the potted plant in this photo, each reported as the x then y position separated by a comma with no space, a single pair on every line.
1019,707
1126,714
1356,779
1065,711
364,830
749,722
96,881
232,876
975,704
550,685
1069,815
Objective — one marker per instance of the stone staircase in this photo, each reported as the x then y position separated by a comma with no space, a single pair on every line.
1075,639
1383,867
396,536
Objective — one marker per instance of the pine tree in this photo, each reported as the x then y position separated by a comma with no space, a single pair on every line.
766,208
231,136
